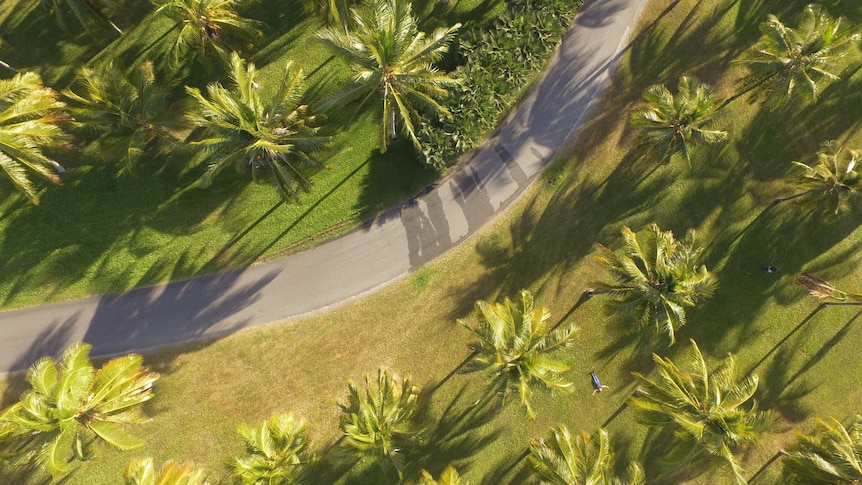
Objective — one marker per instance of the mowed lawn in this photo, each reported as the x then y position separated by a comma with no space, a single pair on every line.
103,232
804,354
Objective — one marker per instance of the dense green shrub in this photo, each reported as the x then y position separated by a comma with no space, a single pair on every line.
496,63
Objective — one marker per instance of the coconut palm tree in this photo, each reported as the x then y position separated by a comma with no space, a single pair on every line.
131,114
787,61
707,411
674,123
71,405
87,13
269,136
207,28
276,452
829,185
565,459
393,61
832,455
29,113
656,278
142,472
517,349
449,476
377,420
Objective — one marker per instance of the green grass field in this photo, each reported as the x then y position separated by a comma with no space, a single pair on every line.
805,355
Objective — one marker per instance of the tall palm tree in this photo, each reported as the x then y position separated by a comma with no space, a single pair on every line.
271,137
69,406
392,60
142,472
656,278
830,184
29,113
707,411
832,455
517,349
377,420
787,60
565,459
87,13
673,123
276,452
208,27
130,113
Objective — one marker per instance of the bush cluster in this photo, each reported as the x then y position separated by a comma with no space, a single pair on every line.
496,63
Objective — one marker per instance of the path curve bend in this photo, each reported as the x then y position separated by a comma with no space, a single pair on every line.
383,250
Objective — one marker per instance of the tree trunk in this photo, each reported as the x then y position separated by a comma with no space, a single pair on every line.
7,66
789,197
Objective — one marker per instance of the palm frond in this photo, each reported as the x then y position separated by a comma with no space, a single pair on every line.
29,113
517,349
390,58
789,61
656,278
674,123
706,409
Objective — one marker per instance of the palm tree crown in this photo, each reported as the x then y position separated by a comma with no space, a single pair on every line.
672,123
142,472
832,455
271,137
704,409
657,277
565,459
516,347
449,476
377,420
29,113
787,60
277,450
130,114
208,27
831,183
391,58
69,405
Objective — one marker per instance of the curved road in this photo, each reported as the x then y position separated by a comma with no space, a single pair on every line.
384,249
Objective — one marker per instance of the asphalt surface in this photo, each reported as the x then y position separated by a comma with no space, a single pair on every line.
383,250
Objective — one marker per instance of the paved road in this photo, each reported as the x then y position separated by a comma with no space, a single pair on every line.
383,250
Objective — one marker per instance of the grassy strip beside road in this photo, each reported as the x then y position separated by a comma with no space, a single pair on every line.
102,232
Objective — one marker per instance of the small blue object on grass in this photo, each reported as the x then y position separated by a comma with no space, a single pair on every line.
597,384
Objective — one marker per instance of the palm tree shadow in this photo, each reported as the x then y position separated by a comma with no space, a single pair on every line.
49,342
824,349
329,469
548,243
665,461
638,343
457,434
779,392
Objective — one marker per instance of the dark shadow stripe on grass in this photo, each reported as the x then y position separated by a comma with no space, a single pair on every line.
783,340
